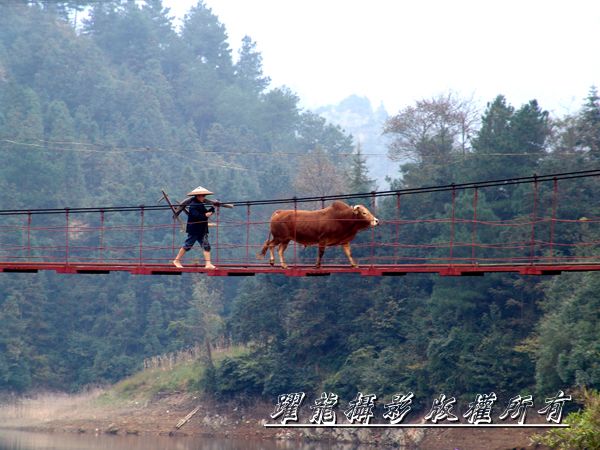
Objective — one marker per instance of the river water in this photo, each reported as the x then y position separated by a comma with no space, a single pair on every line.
20,440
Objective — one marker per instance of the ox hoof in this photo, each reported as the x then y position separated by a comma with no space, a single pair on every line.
272,262
354,266
284,266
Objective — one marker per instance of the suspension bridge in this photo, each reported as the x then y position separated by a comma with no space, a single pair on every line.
547,233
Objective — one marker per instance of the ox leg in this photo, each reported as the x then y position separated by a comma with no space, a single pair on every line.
348,253
281,249
271,254
320,256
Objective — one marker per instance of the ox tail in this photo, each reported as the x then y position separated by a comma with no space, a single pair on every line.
263,252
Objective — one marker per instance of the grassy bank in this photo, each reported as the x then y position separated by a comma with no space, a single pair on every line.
151,383
138,392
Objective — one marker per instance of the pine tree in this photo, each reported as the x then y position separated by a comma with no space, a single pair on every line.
530,128
588,126
494,139
206,38
358,178
510,143
248,69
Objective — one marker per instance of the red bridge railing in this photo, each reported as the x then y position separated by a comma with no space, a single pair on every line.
450,230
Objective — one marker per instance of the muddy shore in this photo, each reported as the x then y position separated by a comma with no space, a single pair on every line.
160,415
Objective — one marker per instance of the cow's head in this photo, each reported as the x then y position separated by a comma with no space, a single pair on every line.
363,213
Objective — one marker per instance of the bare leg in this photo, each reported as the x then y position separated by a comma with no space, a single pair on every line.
281,249
207,263
177,260
348,253
320,256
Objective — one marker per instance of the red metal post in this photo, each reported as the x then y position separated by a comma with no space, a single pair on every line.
474,225
397,243
247,234
174,227
28,235
141,234
372,230
553,220
67,235
533,219
295,227
452,223
101,235
218,210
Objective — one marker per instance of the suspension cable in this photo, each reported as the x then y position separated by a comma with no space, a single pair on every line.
387,193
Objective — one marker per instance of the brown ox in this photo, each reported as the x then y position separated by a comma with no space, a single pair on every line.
335,225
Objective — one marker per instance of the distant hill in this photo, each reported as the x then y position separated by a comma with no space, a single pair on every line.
358,117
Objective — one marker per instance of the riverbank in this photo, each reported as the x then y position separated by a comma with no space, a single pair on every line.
100,412
155,400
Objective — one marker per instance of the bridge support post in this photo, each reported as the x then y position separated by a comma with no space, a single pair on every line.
553,219
452,223
474,225
101,248
174,227
295,227
373,206
533,220
397,229
141,235
248,234
29,235
218,209
67,236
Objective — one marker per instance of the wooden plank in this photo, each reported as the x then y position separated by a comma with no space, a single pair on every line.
185,420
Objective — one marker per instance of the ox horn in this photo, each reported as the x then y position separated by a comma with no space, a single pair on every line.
355,209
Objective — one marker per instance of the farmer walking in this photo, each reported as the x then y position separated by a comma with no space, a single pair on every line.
197,226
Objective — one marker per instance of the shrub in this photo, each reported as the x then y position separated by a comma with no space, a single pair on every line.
584,431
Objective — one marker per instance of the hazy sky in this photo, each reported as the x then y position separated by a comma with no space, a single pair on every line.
399,51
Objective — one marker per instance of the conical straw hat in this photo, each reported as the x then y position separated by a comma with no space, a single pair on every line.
200,191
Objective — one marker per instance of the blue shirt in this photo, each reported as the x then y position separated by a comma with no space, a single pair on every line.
197,223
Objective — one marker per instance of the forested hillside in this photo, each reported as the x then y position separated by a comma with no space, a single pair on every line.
111,111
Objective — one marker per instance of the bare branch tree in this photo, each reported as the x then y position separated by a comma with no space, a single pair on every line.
318,176
432,129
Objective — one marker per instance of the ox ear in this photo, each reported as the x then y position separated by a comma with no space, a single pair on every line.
355,209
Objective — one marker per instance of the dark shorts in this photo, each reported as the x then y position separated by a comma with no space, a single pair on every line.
193,238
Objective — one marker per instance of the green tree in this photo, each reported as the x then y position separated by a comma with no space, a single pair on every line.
131,34
155,329
588,126
248,68
510,143
567,343
206,38
358,177
203,323
14,353
314,131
